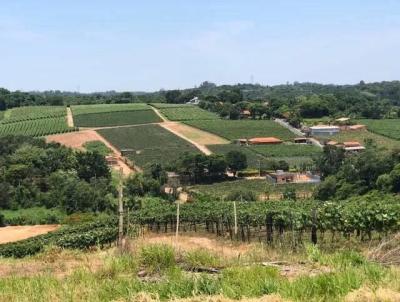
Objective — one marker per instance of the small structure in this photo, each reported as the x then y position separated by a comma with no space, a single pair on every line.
111,160
343,121
245,114
356,127
194,101
125,152
332,143
324,130
264,141
282,177
301,140
353,146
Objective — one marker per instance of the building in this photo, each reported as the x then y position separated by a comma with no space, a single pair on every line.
324,130
111,160
353,146
264,141
301,140
194,101
357,127
245,114
283,177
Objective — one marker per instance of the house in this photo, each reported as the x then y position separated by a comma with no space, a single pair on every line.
332,143
245,114
353,146
282,177
194,101
343,121
357,127
264,141
324,130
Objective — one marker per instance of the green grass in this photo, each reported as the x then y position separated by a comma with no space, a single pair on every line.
287,150
243,128
187,113
97,146
362,135
103,108
116,118
1,115
37,127
32,113
33,216
118,281
257,186
386,127
151,143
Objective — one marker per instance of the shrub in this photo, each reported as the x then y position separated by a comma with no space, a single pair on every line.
241,196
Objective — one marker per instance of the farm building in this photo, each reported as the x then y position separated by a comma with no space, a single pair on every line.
282,177
264,141
342,121
111,160
353,146
324,130
356,127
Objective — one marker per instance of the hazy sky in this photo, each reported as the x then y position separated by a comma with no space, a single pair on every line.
95,45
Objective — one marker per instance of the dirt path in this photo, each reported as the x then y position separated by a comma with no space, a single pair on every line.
76,140
202,148
16,233
159,114
70,118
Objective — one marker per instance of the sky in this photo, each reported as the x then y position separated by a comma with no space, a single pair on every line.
147,45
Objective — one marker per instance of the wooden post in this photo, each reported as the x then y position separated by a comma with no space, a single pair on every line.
235,217
177,221
120,213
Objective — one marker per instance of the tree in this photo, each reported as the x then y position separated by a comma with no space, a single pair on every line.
327,189
236,161
91,164
172,96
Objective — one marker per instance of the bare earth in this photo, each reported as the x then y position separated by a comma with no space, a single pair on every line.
15,233
76,140
70,118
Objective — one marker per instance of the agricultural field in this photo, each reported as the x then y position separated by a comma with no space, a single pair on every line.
386,127
1,115
187,113
151,143
38,127
243,128
32,113
116,118
361,136
258,186
256,160
287,150
167,105
103,108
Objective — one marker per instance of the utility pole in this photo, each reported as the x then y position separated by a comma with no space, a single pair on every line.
120,212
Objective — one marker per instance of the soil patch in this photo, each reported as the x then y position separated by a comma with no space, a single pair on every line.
76,140
16,233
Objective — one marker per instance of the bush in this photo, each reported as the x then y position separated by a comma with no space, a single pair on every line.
241,196
33,216
2,220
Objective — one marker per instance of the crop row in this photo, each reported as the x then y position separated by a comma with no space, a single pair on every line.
103,108
232,130
38,127
116,118
360,217
29,113
386,127
82,236
188,113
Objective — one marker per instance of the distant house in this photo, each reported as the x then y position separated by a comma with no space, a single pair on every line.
324,130
283,177
343,121
353,146
264,141
245,114
111,160
194,101
357,127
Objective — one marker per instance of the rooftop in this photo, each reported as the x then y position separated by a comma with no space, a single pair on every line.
260,140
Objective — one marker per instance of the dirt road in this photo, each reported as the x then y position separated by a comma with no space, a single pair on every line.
16,233
70,118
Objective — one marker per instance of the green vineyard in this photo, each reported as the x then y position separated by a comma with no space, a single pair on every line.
38,127
32,113
360,218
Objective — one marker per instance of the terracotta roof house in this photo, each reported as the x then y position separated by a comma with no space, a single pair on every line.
357,127
264,140
353,146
